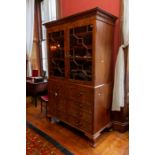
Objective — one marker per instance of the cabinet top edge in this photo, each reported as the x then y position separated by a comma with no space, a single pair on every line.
87,13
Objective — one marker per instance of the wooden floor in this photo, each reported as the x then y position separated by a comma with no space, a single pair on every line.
110,142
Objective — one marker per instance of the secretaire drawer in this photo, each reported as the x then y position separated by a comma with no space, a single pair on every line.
74,106
82,94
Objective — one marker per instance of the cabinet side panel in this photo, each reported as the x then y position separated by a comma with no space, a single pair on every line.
103,48
102,107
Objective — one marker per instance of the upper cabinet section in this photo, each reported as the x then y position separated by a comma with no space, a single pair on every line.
80,47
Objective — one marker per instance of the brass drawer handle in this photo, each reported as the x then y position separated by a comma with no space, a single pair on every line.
55,94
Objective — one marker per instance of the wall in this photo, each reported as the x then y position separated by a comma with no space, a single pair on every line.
69,7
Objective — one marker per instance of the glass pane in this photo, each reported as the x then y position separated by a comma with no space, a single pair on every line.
43,11
52,10
45,66
56,53
48,13
44,50
81,53
44,57
43,32
48,10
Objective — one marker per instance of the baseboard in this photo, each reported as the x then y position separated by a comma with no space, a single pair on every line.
120,126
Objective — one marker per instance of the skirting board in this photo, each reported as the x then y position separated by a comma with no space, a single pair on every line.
120,126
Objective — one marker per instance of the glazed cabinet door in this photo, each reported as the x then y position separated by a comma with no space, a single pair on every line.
80,51
56,53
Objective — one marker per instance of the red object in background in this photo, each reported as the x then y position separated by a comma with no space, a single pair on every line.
34,73
44,98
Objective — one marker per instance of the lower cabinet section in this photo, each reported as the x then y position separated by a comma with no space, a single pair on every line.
83,107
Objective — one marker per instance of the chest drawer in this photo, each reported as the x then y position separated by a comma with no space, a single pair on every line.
74,121
82,94
82,125
83,116
76,106
86,126
79,113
